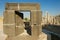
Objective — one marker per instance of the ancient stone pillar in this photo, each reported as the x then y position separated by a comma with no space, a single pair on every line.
36,24
13,24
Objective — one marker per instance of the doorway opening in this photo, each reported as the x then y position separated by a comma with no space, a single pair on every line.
27,21
25,15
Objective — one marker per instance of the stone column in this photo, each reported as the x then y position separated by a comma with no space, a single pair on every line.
9,22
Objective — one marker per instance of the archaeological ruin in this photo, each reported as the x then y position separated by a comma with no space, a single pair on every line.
13,24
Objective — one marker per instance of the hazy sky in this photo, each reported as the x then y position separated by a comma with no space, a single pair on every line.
52,6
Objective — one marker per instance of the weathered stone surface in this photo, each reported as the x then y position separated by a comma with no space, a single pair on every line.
19,25
9,23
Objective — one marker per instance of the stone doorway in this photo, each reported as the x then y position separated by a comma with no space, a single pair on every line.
15,24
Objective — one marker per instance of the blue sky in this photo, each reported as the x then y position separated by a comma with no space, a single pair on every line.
52,6
26,14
